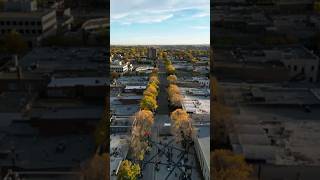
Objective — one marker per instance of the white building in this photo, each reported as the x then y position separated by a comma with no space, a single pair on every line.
204,81
299,61
201,139
120,67
24,17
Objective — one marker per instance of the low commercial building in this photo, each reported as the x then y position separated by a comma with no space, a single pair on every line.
201,140
22,81
119,146
301,63
134,89
87,87
26,19
120,67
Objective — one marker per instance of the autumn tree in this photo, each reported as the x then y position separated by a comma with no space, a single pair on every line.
173,89
172,79
170,69
176,100
143,121
181,125
148,103
144,118
229,166
102,127
154,79
138,142
114,75
174,95
221,114
14,43
214,88
167,62
95,169
1,5
316,6
155,71
152,88
150,94
128,171
194,60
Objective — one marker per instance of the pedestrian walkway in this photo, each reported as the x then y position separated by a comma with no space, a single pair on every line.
165,150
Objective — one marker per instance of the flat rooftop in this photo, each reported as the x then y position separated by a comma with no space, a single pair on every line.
38,152
119,146
14,101
196,100
46,59
281,135
203,137
71,113
77,81
22,14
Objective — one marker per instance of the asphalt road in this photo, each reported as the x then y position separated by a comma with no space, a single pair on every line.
161,116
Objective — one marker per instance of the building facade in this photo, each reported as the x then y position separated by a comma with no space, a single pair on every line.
152,53
24,18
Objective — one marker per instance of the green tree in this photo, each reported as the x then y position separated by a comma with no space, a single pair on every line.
128,171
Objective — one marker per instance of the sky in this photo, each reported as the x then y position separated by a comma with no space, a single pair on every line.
159,22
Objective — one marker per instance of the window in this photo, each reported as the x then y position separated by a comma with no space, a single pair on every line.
33,31
312,68
32,23
14,23
295,68
26,23
20,23
27,31
39,31
39,23
311,79
2,23
8,22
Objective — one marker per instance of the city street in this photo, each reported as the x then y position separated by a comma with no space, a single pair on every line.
165,150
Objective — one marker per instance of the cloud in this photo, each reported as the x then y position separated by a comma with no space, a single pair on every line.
200,27
145,18
153,11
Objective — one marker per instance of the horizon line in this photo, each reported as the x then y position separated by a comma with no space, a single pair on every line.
159,44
